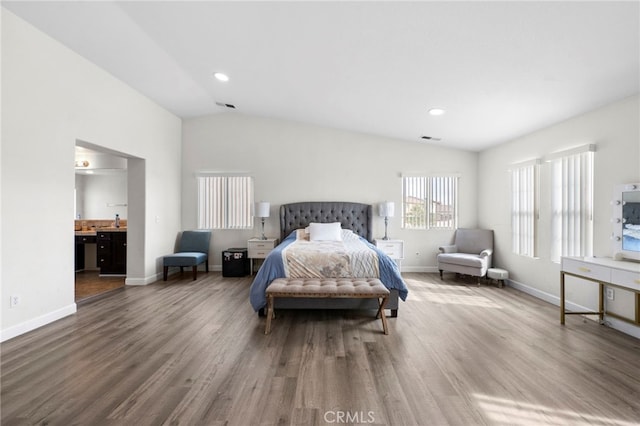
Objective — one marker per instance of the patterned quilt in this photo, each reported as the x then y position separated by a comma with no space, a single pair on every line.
330,259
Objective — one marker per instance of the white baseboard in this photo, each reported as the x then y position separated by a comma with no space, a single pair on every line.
614,323
32,324
143,281
622,326
158,276
547,297
427,269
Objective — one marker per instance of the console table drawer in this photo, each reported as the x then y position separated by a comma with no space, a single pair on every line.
587,270
626,279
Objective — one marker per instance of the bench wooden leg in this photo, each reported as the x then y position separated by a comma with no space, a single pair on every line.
267,329
383,317
165,272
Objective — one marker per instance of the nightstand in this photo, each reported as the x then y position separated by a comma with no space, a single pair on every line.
392,248
259,249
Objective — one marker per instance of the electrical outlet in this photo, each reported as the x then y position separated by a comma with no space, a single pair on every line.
610,294
14,301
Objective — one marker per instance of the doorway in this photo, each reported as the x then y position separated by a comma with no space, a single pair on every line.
101,222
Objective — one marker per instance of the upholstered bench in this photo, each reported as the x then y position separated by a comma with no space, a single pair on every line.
363,288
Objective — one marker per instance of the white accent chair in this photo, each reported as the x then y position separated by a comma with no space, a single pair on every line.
470,253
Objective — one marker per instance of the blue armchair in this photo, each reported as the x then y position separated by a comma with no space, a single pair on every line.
193,250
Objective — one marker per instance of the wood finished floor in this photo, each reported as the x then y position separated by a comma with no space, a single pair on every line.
89,284
193,353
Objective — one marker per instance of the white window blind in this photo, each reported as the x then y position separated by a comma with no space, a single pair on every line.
225,202
429,202
524,208
572,204
414,202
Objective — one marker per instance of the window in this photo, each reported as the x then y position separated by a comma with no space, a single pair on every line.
225,202
524,208
572,203
429,202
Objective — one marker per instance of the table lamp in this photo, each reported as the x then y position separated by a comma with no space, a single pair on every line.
386,210
262,211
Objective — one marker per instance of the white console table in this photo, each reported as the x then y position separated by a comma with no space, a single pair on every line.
606,272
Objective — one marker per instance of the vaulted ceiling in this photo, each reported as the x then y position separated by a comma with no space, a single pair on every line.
499,69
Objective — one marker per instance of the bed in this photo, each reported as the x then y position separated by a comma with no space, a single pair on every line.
356,221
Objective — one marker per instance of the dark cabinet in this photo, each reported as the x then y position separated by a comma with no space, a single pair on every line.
112,253
81,240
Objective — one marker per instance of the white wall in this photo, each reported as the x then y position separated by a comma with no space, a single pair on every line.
52,97
295,162
615,131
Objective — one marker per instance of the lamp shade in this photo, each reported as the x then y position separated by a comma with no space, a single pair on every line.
262,209
386,209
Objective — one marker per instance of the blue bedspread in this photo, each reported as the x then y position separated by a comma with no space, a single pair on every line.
273,268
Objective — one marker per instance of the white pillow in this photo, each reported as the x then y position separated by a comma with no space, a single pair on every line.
325,231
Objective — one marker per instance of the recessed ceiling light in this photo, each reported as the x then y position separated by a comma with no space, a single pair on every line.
436,111
221,76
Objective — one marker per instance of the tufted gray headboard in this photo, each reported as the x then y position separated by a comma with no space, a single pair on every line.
354,216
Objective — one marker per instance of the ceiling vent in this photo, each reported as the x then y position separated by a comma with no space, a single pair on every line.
222,104
431,138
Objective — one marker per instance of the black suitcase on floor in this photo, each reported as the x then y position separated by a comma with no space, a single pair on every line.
235,262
